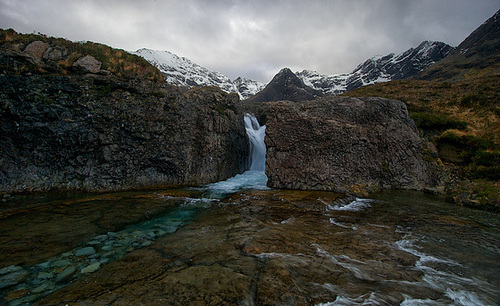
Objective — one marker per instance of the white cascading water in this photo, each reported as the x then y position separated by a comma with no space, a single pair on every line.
255,177
256,134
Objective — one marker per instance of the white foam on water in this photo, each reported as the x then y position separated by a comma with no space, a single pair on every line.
356,205
365,299
346,262
340,224
247,180
461,290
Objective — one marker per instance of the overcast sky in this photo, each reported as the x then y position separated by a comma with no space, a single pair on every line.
255,39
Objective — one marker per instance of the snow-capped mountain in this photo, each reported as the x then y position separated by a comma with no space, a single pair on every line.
247,87
181,71
379,69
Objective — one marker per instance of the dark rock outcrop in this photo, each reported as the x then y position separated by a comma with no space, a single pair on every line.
285,86
345,145
98,132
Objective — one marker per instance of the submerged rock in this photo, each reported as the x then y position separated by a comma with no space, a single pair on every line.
91,268
85,251
65,274
345,145
13,278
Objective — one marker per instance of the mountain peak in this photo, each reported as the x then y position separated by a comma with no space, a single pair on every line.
286,85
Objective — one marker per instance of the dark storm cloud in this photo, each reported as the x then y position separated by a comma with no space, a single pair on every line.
255,38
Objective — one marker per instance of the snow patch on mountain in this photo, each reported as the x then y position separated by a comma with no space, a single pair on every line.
379,69
181,71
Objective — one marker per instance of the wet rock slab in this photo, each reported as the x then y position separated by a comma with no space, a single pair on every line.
271,247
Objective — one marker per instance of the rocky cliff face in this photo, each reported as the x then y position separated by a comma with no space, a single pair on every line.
345,145
89,117
97,132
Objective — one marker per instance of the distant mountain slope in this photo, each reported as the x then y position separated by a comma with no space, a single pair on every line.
379,69
481,49
181,71
247,87
285,86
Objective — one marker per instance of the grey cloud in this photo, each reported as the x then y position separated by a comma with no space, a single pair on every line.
255,38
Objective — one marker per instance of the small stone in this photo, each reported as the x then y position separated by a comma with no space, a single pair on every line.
67,254
65,274
104,260
10,269
13,278
61,263
44,265
112,234
91,268
43,287
147,243
107,248
137,234
101,237
152,235
85,251
45,275
94,242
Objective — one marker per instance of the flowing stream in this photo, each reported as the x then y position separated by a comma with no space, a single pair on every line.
239,242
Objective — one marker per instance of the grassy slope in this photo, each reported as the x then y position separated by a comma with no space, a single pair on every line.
461,118
115,61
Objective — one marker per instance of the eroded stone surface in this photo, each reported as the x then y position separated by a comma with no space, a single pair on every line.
345,145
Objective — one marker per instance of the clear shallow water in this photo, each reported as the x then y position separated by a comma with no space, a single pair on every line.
272,246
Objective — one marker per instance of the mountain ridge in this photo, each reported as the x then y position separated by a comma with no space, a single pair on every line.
181,71
380,68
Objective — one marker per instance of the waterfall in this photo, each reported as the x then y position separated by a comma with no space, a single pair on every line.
255,177
256,134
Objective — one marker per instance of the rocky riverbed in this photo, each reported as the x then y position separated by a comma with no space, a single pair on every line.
266,247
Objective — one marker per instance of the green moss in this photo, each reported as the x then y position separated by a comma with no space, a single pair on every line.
430,121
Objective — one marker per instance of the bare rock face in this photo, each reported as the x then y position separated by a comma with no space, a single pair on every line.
343,144
89,64
101,133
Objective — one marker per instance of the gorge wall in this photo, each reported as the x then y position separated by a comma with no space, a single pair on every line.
345,145
102,132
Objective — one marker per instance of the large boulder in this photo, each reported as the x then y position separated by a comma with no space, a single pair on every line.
88,64
35,51
344,144
100,133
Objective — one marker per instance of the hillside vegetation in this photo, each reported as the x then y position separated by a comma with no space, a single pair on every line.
65,53
462,120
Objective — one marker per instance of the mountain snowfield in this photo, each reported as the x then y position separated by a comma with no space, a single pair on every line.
183,72
379,69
